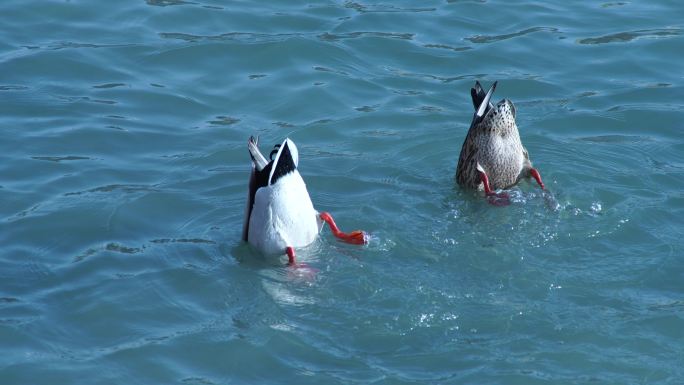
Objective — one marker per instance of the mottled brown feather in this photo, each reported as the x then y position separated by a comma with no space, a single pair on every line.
493,141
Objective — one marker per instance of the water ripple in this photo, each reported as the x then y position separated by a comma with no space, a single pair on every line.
355,35
444,46
615,4
13,88
109,85
224,121
58,159
183,240
484,39
247,37
381,8
70,44
125,188
625,37
166,3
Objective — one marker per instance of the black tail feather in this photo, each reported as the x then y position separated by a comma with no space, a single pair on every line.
284,164
478,95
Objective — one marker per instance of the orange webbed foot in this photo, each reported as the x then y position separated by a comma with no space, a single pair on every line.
356,237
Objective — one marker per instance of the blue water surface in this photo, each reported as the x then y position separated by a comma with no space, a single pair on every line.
123,172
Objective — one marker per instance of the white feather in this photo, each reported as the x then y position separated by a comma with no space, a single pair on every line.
283,216
485,101
257,157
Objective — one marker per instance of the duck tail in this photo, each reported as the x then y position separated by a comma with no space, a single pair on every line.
256,155
478,94
481,100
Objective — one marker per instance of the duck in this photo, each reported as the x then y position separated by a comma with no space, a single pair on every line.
279,214
492,156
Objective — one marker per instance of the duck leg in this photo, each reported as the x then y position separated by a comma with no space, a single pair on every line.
356,237
500,199
298,270
537,177
290,255
485,180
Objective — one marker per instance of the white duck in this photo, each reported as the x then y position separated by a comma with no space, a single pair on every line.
279,215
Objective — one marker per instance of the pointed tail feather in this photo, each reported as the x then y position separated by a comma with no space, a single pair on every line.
485,101
477,94
257,157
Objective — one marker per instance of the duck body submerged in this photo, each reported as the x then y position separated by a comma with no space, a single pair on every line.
498,150
493,156
280,216
279,211
283,215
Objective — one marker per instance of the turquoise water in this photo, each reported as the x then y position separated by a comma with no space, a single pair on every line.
123,171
